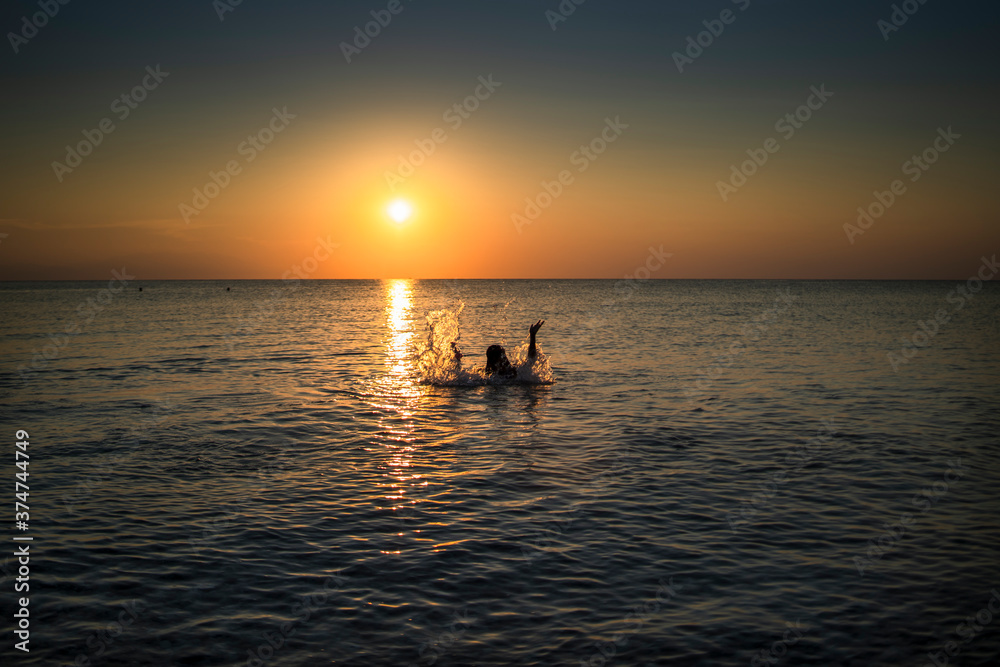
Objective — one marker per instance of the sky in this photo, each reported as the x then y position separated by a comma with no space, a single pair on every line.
530,139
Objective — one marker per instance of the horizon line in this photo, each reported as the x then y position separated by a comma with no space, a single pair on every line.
647,280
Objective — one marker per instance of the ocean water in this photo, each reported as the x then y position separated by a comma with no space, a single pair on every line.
695,473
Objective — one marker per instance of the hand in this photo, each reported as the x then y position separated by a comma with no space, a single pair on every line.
535,327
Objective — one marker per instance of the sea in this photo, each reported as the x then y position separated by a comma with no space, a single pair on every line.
688,473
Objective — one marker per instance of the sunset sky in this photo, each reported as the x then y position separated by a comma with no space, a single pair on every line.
338,129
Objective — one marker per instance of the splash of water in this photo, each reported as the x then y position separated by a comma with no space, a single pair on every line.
437,365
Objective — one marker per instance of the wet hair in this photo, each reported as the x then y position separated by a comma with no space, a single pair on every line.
496,359
494,353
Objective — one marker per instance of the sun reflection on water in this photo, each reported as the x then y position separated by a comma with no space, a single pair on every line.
398,393
399,301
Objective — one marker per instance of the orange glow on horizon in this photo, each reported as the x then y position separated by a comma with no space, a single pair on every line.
452,216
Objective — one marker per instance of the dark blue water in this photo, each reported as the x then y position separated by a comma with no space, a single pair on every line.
720,473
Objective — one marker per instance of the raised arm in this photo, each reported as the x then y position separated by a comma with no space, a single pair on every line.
534,330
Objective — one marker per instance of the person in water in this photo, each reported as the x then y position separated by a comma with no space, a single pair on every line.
497,362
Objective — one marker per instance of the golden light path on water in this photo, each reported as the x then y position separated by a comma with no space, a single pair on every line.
398,394
397,312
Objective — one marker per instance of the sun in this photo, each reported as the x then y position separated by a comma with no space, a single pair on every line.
400,210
